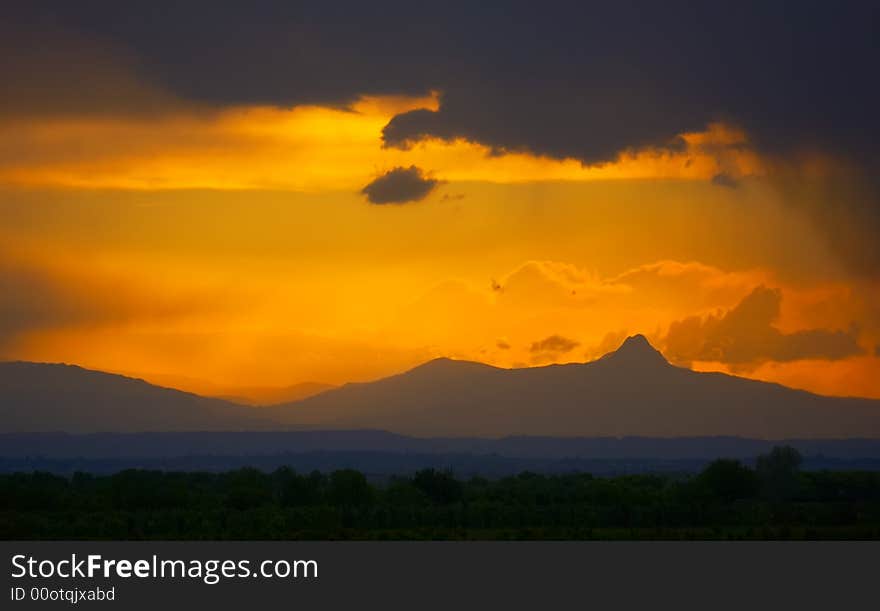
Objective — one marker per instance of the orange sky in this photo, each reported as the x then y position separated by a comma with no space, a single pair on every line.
234,248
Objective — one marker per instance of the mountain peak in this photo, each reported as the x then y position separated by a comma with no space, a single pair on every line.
636,342
636,349
446,364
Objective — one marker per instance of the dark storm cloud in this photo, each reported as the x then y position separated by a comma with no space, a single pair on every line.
567,79
563,79
746,335
399,186
49,70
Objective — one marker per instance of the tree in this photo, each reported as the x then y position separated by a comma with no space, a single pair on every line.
728,480
778,472
439,486
349,488
247,488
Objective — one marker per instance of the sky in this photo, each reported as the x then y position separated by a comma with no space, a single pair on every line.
226,195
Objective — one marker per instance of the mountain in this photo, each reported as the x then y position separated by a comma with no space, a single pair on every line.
243,395
55,397
631,391
272,395
168,445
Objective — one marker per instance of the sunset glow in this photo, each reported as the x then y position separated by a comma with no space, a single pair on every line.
219,246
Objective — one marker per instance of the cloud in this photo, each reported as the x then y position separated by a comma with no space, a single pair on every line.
332,148
52,71
552,284
853,377
746,335
553,345
44,297
34,299
557,83
723,179
688,284
545,298
399,186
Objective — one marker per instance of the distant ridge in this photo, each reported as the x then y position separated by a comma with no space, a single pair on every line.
59,397
222,443
632,391
260,396
233,393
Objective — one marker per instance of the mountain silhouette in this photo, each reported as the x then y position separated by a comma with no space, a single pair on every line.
56,397
243,395
631,391
271,395
636,351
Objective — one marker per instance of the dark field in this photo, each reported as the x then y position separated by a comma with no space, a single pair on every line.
727,500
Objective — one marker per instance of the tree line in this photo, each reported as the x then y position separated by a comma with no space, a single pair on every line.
728,499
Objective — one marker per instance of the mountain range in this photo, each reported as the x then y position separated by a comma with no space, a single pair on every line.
632,391
241,394
55,397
